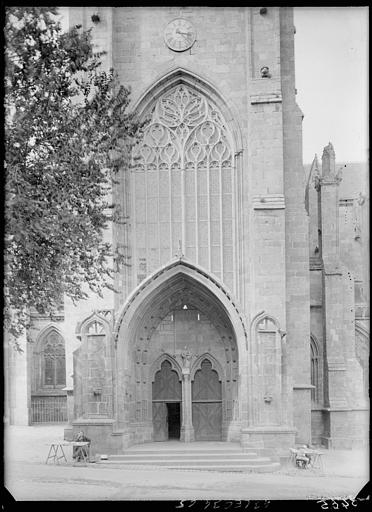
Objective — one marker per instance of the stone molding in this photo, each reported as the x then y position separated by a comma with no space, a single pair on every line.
268,202
315,263
327,180
303,386
93,421
268,429
332,409
266,98
184,266
336,366
331,269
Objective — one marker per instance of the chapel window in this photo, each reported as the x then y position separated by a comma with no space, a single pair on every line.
54,361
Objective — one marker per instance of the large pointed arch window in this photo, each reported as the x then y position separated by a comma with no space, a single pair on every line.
183,186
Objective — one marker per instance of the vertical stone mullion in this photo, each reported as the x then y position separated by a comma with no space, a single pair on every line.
196,214
221,221
170,211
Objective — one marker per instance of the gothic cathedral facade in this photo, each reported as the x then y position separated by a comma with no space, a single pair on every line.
213,334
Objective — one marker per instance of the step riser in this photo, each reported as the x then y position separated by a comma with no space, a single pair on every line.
187,449
185,457
222,459
191,463
267,468
189,452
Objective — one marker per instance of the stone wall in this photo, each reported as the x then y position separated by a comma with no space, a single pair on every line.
296,237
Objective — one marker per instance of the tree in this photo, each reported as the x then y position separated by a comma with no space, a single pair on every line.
67,134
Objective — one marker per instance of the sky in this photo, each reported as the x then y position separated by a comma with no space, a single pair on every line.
331,59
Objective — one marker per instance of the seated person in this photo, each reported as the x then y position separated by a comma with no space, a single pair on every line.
302,460
79,451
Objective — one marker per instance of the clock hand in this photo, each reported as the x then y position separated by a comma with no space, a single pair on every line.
183,33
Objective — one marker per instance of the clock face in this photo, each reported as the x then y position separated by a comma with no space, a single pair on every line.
179,35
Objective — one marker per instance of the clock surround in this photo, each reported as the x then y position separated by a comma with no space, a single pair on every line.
179,35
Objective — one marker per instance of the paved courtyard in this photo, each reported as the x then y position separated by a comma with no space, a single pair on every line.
28,478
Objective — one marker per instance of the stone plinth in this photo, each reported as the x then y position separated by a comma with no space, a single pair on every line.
276,438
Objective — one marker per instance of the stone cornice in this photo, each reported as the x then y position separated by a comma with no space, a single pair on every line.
266,98
93,421
320,182
315,263
336,366
268,202
333,269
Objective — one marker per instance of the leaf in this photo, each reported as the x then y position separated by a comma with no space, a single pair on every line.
56,191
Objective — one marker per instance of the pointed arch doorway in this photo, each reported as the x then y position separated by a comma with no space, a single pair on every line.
166,403
180,317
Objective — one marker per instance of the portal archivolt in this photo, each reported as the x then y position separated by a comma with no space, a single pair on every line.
184,338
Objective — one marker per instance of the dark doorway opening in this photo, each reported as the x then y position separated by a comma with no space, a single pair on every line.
174,420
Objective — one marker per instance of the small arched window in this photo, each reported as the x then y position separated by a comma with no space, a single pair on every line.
315,370
53,361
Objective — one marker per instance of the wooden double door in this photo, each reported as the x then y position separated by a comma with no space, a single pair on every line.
206,407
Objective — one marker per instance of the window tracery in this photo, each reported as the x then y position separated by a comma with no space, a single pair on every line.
185,130
183,186
53,359
95,327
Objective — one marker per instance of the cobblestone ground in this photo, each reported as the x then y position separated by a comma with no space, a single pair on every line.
27,477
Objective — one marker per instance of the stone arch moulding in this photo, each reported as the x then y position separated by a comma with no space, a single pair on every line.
215,366
149,287
262,315
156,366
362,330
45,331
317,345
258,318
183,76
82,327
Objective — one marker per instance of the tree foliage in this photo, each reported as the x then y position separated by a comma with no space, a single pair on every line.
67,133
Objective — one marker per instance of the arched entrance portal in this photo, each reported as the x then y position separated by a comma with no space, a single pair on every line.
178,359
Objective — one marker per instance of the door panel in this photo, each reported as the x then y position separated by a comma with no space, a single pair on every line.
207,421
206,385
166,385
207,404
159,421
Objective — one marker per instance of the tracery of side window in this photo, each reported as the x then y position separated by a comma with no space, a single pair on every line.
315,371
50,362
183,186
95,328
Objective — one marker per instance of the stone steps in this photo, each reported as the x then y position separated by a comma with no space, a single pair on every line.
248,468
207,458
